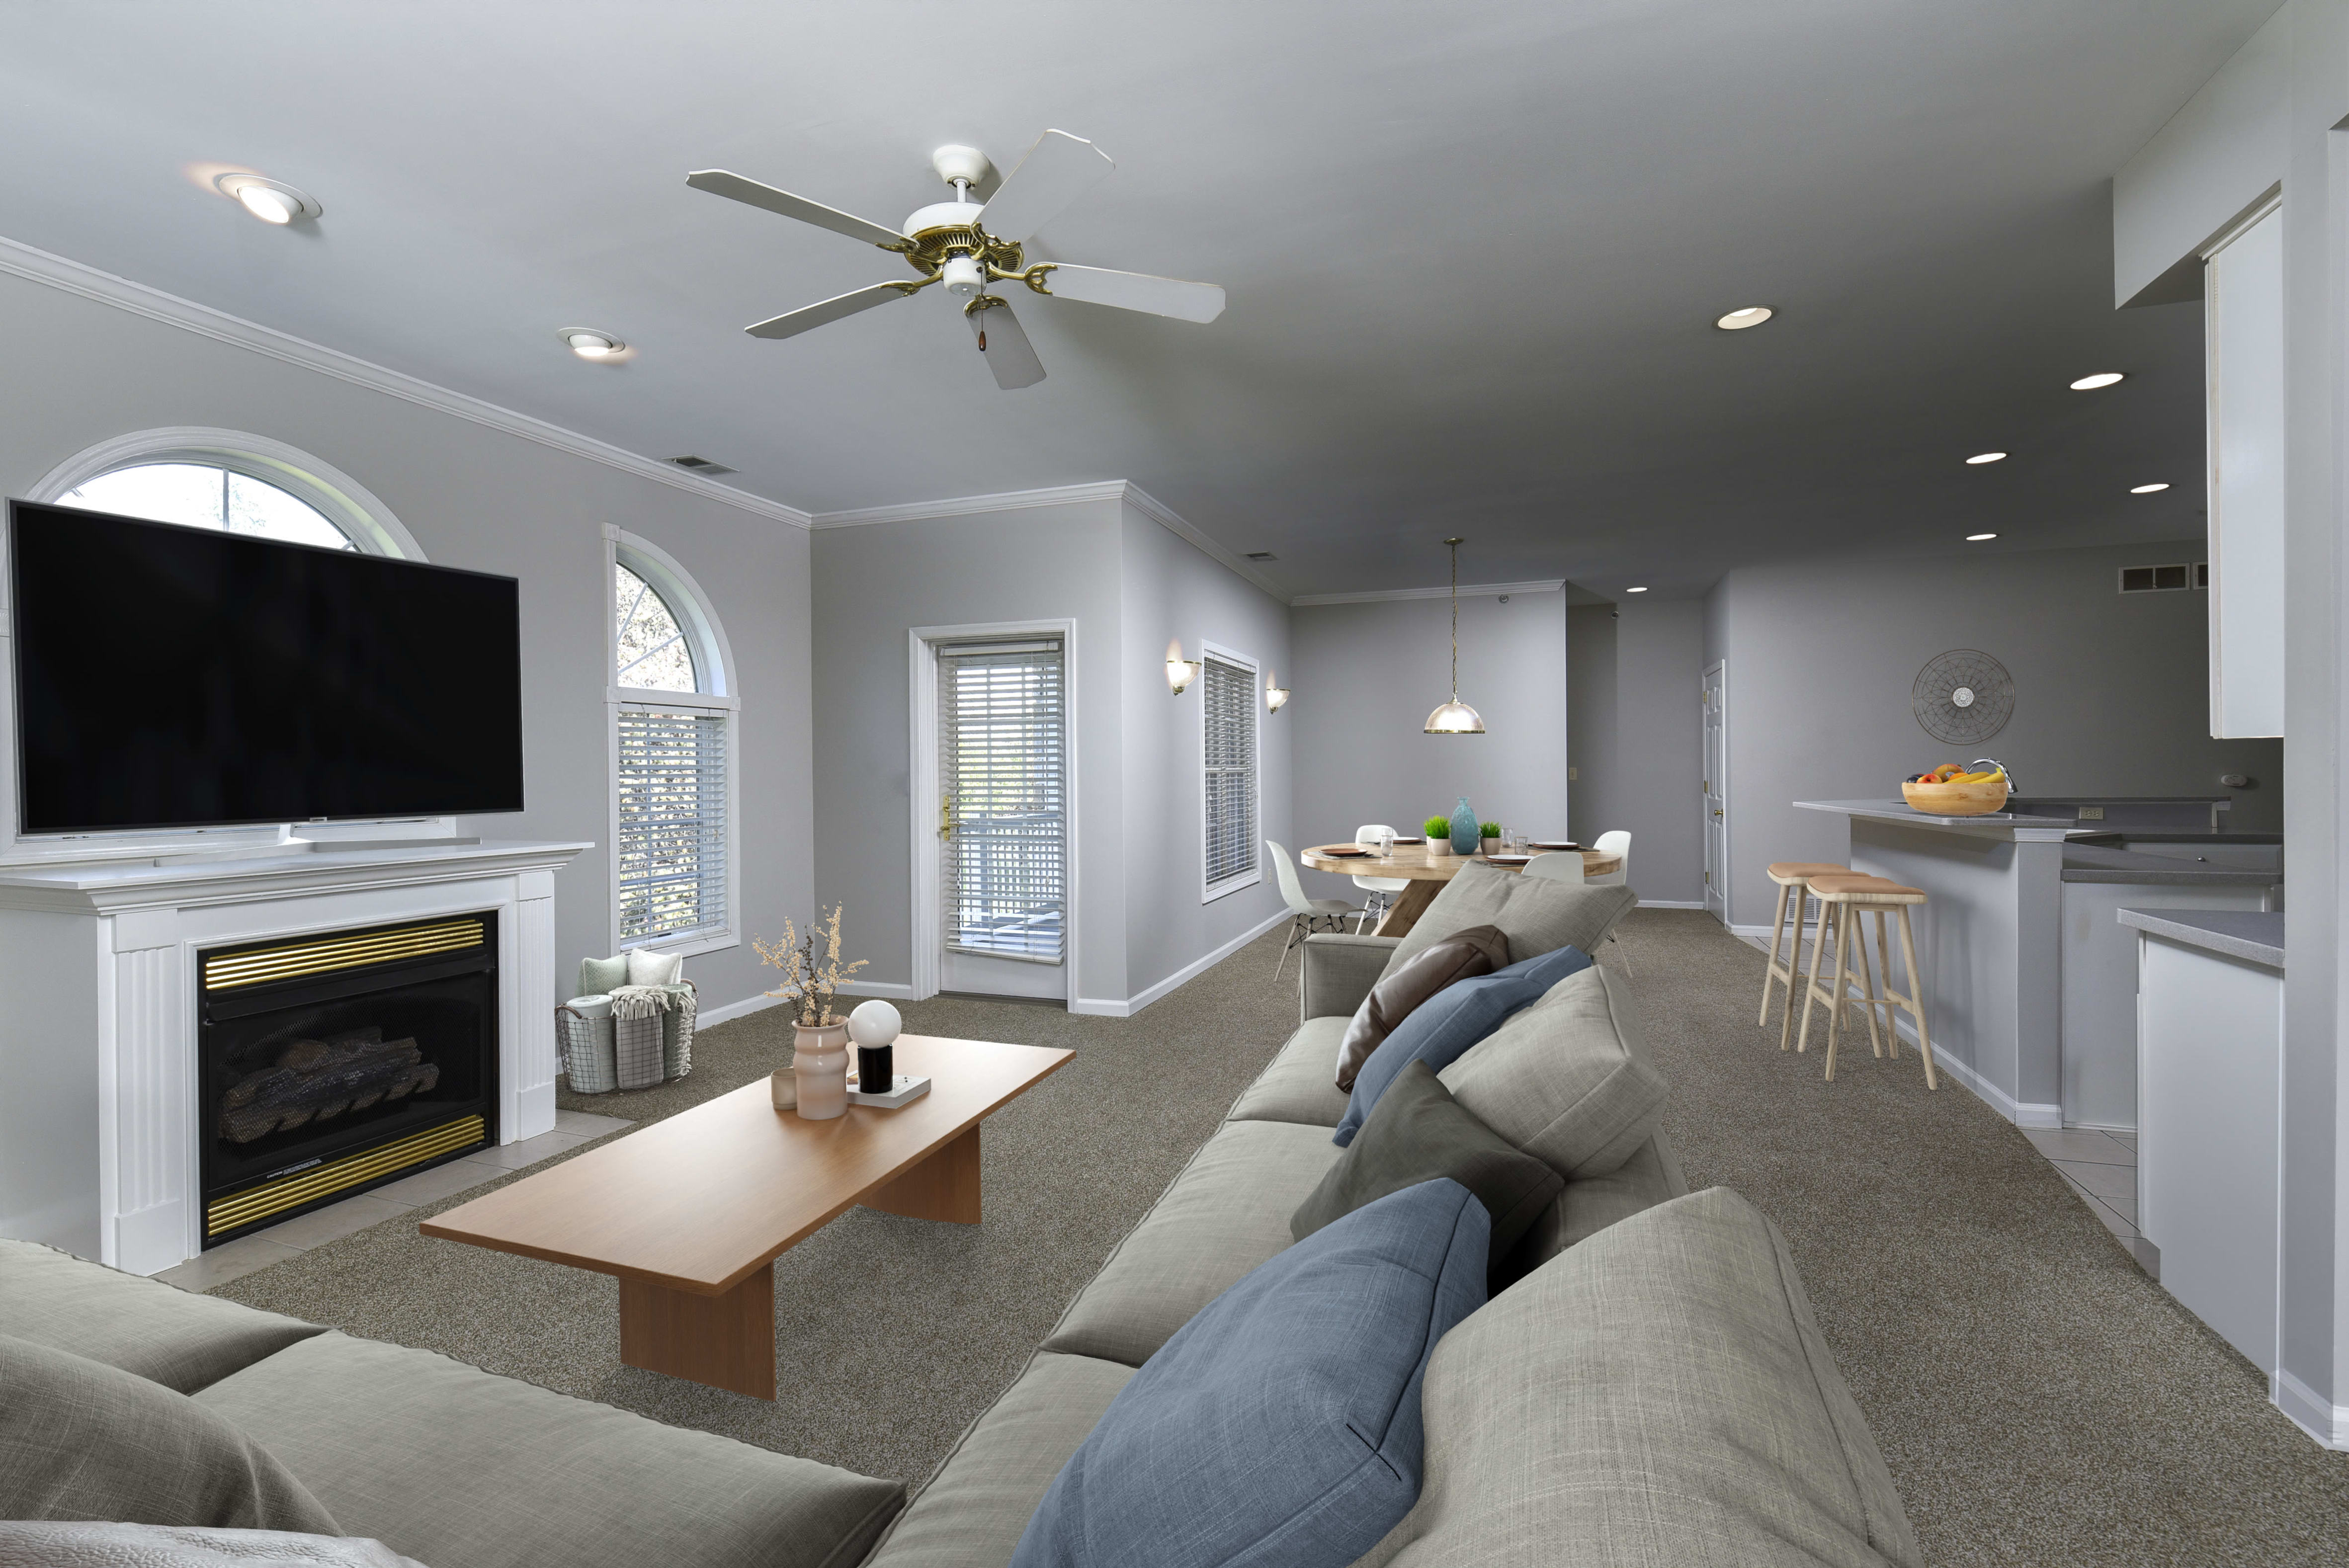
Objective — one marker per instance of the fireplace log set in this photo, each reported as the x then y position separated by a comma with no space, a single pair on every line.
317,1080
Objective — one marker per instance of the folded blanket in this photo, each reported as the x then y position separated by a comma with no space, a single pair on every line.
40,1544
644,1001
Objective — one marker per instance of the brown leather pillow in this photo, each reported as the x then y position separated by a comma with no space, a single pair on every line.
1463,955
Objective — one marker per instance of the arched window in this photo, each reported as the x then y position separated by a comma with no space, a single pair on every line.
228,479
674,712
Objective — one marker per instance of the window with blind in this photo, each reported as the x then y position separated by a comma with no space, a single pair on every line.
1230,784
673,760
1002,770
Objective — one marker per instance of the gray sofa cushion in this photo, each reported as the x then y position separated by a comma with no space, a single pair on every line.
458,1469
971,1513
1226,1213
144,1326
1591,1203
1656,1395
1535,913
1338,969
91,1544
1297,1086
80,1439
1566,1078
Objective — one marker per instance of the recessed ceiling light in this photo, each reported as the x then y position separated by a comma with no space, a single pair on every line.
588,344
270,201
1978,538
1635,590
1987,458
2101,378
2145,489
1739,320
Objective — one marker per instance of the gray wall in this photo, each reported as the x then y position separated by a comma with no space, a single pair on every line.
1637,736
1367,675
78,372
1174,593
2111,690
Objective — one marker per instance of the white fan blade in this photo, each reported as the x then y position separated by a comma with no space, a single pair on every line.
1135,291
791,323
1057,171
734,188
1009,356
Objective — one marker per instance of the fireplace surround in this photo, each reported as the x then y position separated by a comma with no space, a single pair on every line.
331,1063
102,1142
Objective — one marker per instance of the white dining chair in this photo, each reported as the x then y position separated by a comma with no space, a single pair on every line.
1303,912
1616,842
1381,889
1563,865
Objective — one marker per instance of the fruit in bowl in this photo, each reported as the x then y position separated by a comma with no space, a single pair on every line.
1950,791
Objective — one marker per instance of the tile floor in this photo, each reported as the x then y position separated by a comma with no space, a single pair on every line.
335,1221
2099,1166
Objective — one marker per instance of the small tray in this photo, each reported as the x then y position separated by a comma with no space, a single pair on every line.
904,1091
1349,855
1554,843
1411,841
1499,860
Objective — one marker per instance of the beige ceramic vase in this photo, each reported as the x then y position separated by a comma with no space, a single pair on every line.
820,1069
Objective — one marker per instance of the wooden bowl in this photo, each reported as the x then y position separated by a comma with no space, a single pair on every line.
1955,800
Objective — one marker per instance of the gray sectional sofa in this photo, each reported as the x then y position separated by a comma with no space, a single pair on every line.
1651,1390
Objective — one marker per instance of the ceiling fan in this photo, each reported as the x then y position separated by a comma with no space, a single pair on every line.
969,246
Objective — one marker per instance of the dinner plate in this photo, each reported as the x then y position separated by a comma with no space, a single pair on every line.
1554,844
1411,841
1509,860
1345,854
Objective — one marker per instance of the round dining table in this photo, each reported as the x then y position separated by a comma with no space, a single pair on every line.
1426,873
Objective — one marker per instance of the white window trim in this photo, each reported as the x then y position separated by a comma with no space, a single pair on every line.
713,663
1209,892
927,944
342,500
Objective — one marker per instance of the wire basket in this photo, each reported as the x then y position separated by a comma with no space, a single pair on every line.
587,1042
636,1053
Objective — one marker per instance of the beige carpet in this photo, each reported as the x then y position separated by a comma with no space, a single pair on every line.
2038,1399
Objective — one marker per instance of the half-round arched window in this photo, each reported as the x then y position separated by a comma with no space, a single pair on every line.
228,480
675,857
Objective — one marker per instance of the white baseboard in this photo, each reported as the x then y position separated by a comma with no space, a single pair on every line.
707,1017
2023,1113
1671,904
1105,1007
895,991
2305,1408
1755,933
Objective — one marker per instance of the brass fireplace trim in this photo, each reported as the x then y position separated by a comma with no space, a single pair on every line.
276,1197
224,972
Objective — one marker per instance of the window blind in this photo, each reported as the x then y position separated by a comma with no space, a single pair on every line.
1002,731
672,838
1230,781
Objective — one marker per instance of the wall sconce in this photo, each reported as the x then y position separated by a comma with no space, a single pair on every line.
1180,672
1276,698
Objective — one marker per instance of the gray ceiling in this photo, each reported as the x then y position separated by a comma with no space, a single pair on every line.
1473,253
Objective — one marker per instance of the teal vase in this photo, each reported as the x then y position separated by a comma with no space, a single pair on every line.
1466,832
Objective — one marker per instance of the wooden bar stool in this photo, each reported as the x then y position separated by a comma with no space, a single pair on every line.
1793,877
1852,898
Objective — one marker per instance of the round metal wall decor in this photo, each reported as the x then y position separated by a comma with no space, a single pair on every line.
1962,696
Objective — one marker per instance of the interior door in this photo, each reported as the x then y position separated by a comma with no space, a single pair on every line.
1003,817
1716,792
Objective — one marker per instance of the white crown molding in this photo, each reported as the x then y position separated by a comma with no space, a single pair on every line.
1467,589
74,278
1125,490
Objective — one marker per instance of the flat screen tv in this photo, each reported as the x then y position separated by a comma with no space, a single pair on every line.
179,677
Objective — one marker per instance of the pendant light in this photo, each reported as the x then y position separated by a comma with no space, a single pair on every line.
1455,717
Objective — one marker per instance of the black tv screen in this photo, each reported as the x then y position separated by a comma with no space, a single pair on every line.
177,677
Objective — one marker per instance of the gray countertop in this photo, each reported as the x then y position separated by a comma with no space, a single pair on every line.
2104,863
1909,816
2237,932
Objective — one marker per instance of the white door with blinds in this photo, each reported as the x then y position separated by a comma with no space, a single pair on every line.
1003,838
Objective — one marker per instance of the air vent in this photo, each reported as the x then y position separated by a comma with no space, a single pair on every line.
1262,555
700,465
2173,578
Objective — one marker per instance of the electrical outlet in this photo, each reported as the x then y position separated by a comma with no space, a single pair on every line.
1572,774
2092,813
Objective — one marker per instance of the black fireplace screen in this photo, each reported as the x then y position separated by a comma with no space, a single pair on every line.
337,1062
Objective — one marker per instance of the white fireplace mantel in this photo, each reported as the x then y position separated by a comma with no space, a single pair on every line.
98,1125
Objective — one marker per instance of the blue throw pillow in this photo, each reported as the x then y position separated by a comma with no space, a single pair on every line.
1280,1428
1440,1031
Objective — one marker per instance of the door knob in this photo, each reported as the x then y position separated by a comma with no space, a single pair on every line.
946,816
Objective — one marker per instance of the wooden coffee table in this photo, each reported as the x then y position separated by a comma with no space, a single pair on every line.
691,1212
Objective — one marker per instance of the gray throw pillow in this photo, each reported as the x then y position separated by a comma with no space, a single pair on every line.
1479,950
1536,915
80,1439
1566,1078
1415,1133
174,1337
602,977
88,1544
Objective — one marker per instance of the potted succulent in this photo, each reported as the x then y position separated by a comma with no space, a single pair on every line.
1439,835
1491,838
815,1083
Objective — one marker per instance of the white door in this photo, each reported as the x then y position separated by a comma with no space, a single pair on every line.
1716,792
1003,817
